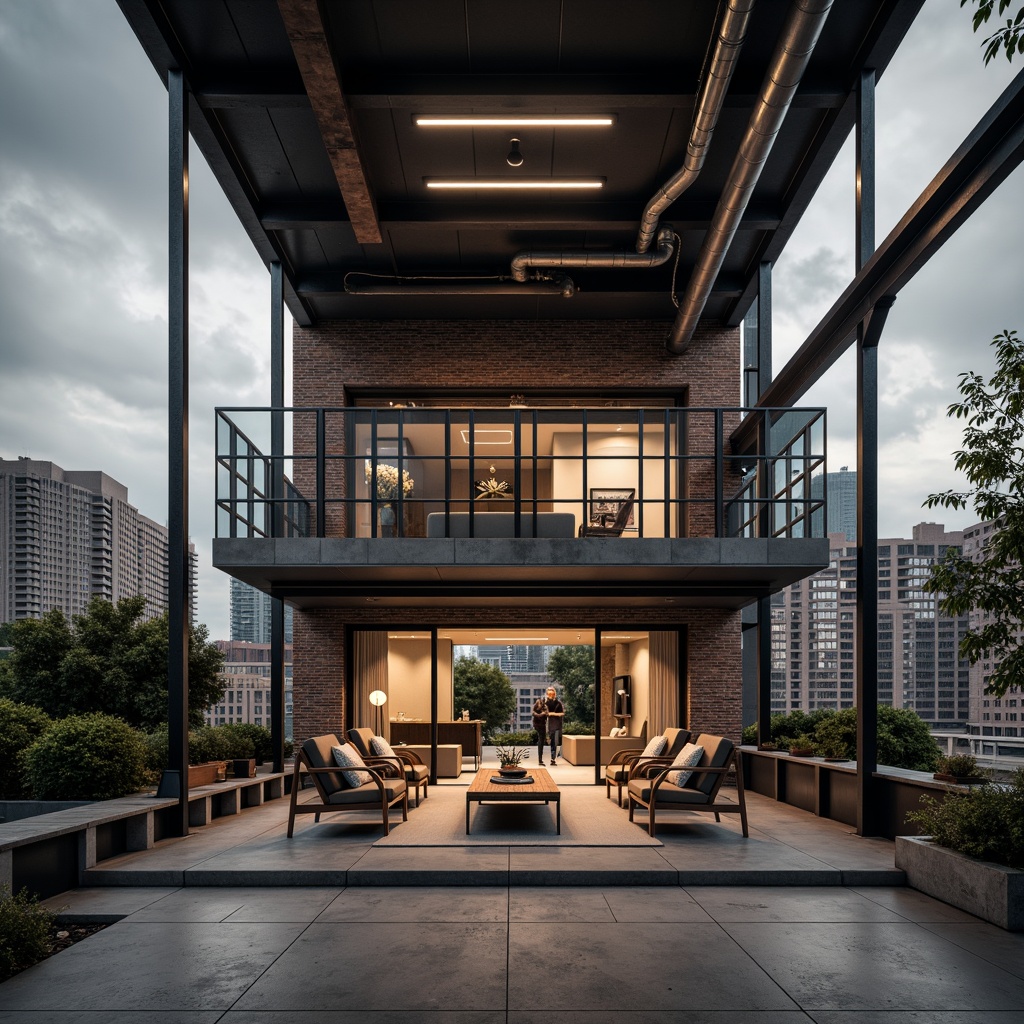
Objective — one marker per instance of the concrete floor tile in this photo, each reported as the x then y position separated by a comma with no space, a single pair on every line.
567,905
915,1017
112,1017
855,966
579,967
660,903
385,967
915,906
366,1017
412,865
419,905
145,966
238,904
657,1017
828,904
588,865
1001,948
104,905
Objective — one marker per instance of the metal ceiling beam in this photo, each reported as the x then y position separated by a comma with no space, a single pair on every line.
694,215
986,157
316,65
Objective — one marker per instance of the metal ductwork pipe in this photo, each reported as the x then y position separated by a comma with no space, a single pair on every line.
789,61
562,286
666,246
732,31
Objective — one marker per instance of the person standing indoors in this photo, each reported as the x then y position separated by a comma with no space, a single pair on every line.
540,723
556,713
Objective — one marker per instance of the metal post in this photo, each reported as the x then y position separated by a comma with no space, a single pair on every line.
764,327
865,168
278,496
764,605
176,776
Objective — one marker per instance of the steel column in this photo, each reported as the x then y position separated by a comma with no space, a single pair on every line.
177,447
278,497
764,605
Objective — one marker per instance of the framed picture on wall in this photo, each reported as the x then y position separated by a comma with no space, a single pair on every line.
605,503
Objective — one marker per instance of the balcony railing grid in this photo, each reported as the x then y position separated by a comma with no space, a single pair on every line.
343,467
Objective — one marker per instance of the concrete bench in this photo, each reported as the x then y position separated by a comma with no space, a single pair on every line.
48,853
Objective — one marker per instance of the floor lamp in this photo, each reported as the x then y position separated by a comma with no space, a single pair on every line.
378,698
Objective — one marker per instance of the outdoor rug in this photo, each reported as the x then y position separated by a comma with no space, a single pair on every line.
588,819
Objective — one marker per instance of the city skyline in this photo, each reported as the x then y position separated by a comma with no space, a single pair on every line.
83,214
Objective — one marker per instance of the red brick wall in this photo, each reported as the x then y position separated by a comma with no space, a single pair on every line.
335,361
714,668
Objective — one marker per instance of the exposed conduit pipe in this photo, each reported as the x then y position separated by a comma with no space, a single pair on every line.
789,61
666,246
732,32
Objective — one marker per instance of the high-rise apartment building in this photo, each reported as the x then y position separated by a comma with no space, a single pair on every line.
68,536
250,615
245,675
841,510
814,657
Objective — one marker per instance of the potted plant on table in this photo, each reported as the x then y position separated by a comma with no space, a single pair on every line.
802,746
510,761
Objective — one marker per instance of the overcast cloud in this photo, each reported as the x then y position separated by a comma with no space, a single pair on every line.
83,268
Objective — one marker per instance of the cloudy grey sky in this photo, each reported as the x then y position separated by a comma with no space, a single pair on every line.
83,268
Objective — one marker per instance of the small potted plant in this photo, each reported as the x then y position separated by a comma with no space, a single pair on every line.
802,746
832,749
510,761
961,769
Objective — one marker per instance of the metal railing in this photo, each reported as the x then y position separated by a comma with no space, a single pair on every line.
365,472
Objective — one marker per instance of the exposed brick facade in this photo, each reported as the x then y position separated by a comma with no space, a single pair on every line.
334,363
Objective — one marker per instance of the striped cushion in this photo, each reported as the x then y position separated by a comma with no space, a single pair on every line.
688,757
346,756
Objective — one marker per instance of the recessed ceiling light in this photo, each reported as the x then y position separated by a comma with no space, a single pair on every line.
536,184
427,121
484,436
512,639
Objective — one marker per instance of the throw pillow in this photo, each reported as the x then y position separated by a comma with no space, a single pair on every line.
615,732
346,756
688,757
381,747
655,748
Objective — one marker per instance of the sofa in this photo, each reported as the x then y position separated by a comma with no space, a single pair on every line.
580,749
502,525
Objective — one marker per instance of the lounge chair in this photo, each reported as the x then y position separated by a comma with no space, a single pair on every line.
408,764
649,786
610,527
333,791
616,772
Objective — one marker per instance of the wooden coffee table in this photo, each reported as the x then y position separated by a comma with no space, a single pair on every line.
541,790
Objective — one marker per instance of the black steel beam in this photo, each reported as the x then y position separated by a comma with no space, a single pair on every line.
987,156
278,492
179,566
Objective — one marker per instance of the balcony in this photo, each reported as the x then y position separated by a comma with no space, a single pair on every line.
415,505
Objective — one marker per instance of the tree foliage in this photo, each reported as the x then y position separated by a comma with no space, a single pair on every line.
992,459
20,726
486,691
1009,37
572,669
107,661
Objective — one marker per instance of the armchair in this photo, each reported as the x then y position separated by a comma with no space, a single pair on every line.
616,772
405,762
649,786
333,792
618,524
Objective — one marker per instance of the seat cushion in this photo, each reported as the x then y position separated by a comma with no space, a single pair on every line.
675,740
369,794
640,789
362,740
689,756
381,747
346,756
416,772
717,751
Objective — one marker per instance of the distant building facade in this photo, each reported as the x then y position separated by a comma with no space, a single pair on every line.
67,536
250,612
245,676
814,622
841,508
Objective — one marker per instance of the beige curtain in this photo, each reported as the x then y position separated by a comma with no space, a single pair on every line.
370,673
663,672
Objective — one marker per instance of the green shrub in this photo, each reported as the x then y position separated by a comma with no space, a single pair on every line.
838,733
20,726
86,757
25,929
575,727
987,822
257,735
209,743
961,765
527,738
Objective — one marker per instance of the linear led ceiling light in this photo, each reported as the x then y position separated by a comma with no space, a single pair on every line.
601,121
515,183
483,436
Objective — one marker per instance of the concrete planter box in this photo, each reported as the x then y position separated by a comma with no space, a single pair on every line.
990,891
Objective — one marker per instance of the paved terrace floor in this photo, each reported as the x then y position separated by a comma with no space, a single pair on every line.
804,921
